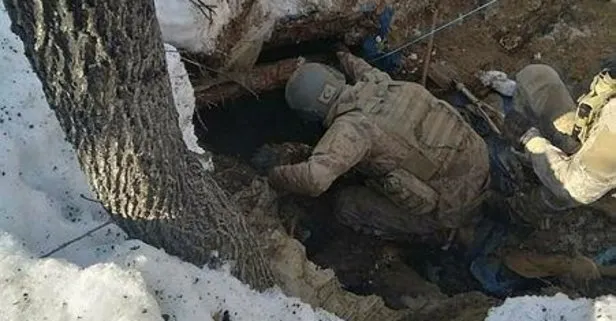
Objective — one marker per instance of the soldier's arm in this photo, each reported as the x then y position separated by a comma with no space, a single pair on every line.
358,69
570,183
343,146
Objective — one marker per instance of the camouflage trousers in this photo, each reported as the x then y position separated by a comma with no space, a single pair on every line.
544,99
370,212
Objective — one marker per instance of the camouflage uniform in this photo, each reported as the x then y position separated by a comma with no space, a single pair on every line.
428,169
586,176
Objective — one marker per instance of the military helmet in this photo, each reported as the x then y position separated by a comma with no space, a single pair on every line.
314,88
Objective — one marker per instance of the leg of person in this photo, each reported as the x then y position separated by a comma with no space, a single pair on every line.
402,287
543,97
370,212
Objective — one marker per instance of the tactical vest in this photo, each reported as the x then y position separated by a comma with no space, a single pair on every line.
602,89
430,129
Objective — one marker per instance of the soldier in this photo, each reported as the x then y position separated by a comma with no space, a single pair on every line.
571,151
427,169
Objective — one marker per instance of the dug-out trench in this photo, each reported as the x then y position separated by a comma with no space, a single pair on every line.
233,131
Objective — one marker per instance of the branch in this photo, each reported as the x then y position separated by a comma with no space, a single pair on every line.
63,245
206,9
76,239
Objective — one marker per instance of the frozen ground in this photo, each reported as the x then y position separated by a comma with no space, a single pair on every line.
104,276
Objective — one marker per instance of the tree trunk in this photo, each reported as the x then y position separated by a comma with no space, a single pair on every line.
103,71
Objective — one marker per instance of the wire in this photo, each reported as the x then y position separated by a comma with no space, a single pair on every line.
414,41
63,245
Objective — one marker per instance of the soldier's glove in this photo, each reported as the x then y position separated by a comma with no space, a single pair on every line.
265,159
584,269
517,126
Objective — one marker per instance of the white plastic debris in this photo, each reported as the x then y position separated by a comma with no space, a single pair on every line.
498,81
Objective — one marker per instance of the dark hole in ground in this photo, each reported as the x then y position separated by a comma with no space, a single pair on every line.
319,47
240,127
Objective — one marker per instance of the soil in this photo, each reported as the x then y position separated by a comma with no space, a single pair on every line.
572,36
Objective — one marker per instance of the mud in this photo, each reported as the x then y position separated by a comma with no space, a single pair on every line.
571,36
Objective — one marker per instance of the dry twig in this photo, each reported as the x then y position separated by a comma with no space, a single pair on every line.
206,9
424,76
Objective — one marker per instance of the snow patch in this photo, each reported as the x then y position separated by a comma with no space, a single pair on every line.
50,289
186,292
135,282
556,308
184,26
40,178
184,99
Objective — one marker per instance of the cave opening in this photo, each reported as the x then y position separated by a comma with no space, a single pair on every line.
237,128
234,129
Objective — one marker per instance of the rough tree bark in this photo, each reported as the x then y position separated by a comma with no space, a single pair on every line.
103,71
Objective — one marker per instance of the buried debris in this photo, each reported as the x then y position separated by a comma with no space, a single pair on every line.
261,78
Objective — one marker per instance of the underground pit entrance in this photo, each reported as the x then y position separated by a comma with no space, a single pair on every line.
238,128
235,128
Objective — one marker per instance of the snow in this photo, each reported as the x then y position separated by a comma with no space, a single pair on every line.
102,276
135,282
186,27
40,180
556,308
186,292
34,289
184,99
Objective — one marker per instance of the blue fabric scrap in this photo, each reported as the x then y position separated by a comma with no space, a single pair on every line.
373,49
